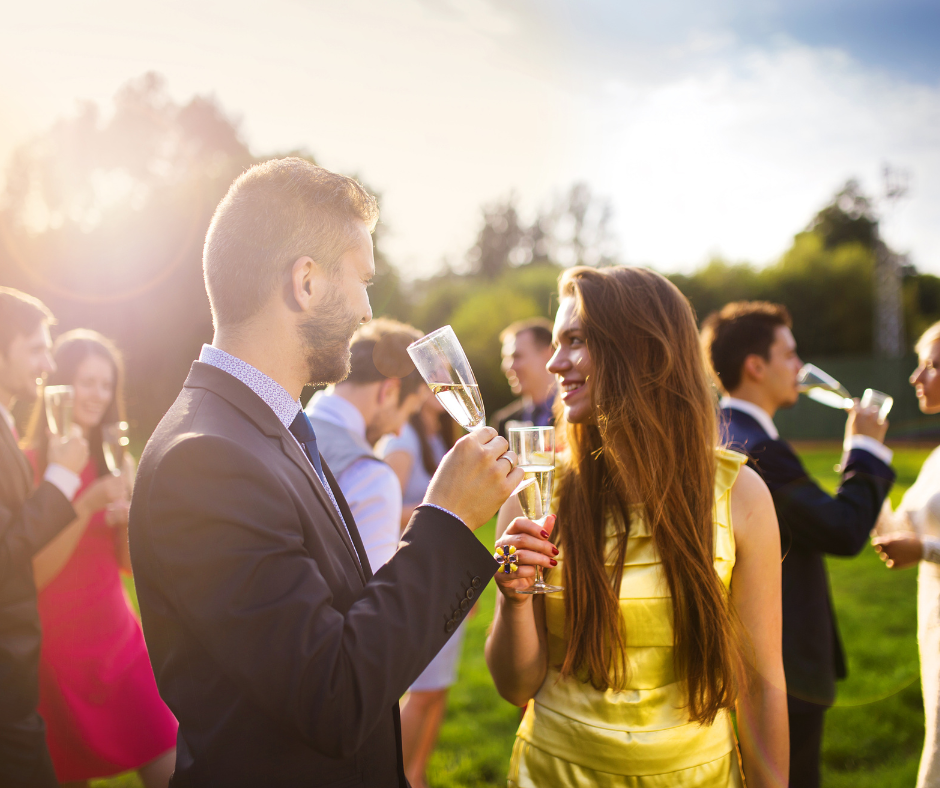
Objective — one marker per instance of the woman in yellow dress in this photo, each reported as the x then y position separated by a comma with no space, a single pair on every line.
669,554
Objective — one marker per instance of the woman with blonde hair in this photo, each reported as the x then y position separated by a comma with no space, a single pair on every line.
917,540
669,555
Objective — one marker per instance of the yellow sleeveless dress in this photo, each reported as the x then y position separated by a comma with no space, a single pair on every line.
638,737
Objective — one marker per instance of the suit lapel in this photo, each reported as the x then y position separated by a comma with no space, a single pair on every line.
350,520
242,397
293,450
24,470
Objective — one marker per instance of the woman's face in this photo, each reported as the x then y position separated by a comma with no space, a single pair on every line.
926,379
94,385
571,363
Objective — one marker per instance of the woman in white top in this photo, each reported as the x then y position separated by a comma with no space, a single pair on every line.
919,515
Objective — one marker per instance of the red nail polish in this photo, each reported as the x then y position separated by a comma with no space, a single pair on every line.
545,534
553,562
554,550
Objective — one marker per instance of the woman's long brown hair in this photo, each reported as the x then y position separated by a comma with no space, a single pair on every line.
650,449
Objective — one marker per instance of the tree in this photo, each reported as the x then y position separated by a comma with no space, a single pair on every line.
103,218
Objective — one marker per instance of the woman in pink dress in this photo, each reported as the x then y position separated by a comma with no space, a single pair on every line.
98,696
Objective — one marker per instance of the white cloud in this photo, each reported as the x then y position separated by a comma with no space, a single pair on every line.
736,156
703,144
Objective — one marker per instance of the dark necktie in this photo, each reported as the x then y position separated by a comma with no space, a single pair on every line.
302,429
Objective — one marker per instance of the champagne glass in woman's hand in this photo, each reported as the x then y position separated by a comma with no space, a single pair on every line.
535,449
440,360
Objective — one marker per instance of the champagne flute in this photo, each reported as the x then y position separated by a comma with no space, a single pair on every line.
440,360
880,400
535,448
823,388
59,401
114,442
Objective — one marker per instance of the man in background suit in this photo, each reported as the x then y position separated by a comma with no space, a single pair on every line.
30,516
753,355
280,653
526,349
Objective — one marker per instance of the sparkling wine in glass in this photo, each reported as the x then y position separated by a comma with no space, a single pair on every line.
442,363
113,444
822,387
535,449
59,401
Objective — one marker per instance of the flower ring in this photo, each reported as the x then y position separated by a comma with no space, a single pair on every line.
507,559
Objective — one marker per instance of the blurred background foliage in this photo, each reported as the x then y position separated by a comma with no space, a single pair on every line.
103,217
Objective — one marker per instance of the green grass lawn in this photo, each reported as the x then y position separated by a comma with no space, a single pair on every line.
873,735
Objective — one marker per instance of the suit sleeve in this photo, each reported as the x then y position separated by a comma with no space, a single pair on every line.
25,530
815,520
230,555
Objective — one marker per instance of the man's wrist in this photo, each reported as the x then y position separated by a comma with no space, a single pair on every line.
62,478
872,445
931,549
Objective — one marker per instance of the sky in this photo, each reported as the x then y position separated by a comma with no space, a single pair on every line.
714,127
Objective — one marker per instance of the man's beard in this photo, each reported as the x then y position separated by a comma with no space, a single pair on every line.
326,337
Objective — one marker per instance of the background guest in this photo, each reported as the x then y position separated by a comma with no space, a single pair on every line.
30,515
919,516
527,347
383,390
753,355
414,456
97,691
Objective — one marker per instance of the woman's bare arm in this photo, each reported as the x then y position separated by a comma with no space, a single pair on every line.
756,595
51,560
516,650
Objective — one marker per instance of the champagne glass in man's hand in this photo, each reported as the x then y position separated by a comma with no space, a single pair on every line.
440,360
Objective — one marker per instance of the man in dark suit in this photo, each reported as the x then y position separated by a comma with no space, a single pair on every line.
753,354
280,653
526,349
30,516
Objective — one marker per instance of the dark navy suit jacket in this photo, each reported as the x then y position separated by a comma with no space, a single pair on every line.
813,524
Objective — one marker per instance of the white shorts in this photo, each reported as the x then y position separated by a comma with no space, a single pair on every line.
441,673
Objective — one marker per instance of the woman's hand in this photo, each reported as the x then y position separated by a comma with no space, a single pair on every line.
532,549
116,514
100,494
899,550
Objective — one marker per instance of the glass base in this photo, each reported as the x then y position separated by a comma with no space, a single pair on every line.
540,588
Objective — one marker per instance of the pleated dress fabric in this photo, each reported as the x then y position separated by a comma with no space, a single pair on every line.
639,736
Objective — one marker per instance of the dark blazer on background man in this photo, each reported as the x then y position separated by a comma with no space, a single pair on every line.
30,517
279,652
813,524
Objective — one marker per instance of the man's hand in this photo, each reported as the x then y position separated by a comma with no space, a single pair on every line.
899,551
69,451
475,478
864,421
100,494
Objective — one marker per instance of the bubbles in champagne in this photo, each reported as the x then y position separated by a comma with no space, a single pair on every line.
462,401
535,499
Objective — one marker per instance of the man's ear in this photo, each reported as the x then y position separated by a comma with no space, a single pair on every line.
306,283
754,367
390,387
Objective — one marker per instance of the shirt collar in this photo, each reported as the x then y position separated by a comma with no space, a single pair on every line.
754,411
273,393
328,406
